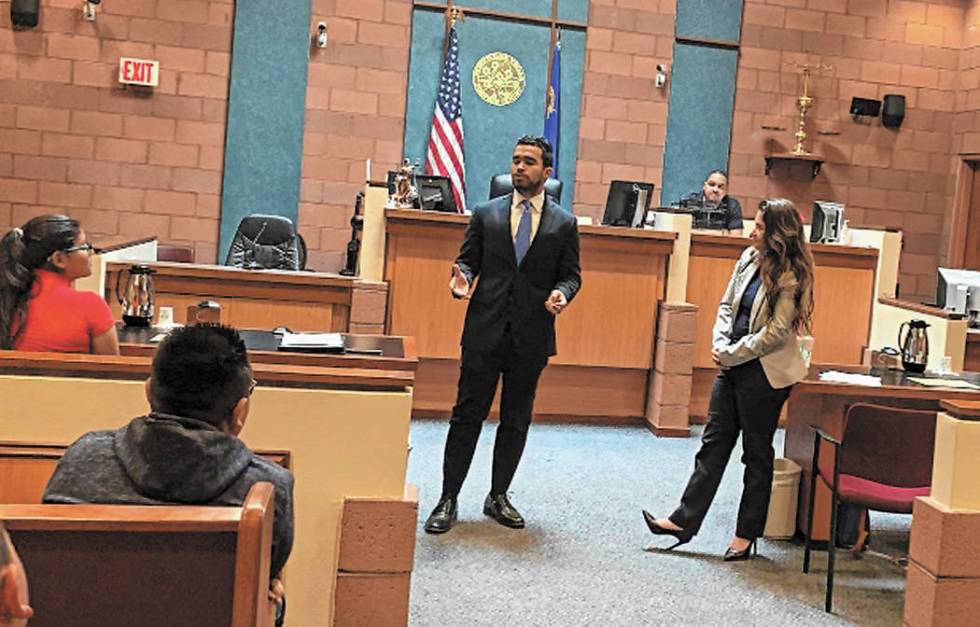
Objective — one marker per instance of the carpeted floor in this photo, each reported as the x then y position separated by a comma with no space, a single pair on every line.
586,557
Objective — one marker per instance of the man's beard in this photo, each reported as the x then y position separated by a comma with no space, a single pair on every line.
528,188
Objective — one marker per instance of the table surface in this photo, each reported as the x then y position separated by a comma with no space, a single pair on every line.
382,346
890,378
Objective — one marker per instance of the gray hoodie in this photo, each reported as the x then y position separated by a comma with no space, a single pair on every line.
162,459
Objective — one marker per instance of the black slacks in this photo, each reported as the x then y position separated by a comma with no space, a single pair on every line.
478,375
741,401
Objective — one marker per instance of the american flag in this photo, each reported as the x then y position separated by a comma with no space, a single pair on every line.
444,155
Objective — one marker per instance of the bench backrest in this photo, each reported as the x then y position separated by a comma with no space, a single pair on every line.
25,468
123,565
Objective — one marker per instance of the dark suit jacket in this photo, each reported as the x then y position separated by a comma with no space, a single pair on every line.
507,292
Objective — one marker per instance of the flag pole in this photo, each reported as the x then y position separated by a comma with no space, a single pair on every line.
554,35
453,13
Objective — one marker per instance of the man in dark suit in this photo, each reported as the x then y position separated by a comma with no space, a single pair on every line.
524,249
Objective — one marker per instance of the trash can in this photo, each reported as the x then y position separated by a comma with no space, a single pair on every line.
781,520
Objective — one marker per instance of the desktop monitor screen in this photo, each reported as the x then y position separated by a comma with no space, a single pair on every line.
958,291
627,203
828,218
435,193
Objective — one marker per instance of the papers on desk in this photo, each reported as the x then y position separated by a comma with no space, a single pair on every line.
837,376
316,342
955,384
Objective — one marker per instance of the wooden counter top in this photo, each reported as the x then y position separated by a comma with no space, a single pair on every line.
134,343
965,410
920,308
829,255
119,242
662,241
138,368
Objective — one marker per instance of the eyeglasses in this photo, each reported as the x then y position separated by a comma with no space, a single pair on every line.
86,247
251,387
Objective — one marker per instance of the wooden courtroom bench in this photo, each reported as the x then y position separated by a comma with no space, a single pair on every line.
124,565
26,468
330,419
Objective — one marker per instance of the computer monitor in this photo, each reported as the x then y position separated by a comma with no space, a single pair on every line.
627,203
958,291
435,193
828,219
703,215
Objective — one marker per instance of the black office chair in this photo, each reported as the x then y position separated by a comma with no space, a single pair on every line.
501,185
267,242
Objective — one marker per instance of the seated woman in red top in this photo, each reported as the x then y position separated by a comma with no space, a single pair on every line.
39,308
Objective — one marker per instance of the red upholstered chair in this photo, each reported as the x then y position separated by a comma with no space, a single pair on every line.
883,462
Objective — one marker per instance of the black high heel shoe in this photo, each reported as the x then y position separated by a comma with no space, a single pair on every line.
682,536
752,550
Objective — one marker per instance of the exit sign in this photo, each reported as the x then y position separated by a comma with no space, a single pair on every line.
139,72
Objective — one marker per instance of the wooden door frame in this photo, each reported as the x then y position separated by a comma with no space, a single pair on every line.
962,200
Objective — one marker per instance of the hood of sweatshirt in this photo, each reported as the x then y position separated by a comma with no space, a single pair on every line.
182,460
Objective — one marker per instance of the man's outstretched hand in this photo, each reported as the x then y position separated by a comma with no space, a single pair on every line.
458,284
556,303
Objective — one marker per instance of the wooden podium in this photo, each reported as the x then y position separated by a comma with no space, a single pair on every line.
605,337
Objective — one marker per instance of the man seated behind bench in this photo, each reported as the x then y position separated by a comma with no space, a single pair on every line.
186,451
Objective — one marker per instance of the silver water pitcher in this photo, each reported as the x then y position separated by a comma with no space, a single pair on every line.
914,346
136,298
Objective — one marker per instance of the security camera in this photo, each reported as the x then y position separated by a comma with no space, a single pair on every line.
661,68
321,35
88,10
661,80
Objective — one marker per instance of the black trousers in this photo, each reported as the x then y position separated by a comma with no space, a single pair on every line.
478,375
742,401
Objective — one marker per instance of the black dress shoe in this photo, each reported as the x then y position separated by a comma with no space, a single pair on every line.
499,508
442,517
731,555
681,535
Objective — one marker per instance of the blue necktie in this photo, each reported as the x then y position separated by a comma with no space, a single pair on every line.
523,239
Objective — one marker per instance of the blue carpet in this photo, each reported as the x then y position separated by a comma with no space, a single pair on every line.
586,557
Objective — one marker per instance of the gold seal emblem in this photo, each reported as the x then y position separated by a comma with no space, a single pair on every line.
498,79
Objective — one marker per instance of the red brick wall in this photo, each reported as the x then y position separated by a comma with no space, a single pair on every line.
355,110
73,141
898,178
624,116
966,127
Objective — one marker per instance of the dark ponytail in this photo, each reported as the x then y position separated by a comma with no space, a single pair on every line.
22,251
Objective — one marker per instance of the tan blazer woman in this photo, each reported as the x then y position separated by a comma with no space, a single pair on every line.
771,339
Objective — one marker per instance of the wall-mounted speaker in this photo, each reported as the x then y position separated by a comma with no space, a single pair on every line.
24,13
865,107
893,110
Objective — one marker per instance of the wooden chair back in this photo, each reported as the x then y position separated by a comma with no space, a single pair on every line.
124,565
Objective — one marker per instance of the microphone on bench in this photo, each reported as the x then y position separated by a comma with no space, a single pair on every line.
252,264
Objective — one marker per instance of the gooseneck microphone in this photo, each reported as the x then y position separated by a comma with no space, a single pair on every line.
252,264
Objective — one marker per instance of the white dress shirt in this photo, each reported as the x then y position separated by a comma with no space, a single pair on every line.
516,209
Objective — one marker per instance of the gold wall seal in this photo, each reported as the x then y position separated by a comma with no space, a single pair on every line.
498,79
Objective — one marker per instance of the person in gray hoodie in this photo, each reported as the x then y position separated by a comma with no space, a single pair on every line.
187,450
